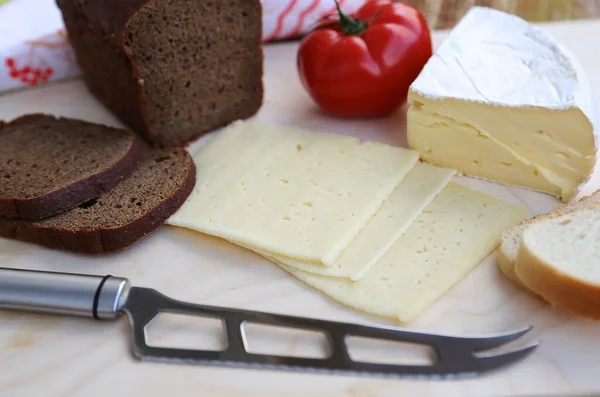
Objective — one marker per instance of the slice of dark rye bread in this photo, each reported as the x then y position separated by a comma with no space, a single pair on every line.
49,165
120,217
170,69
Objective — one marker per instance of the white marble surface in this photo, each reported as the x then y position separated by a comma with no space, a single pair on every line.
53,356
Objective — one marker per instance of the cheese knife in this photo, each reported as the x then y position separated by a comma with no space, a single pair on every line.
108,297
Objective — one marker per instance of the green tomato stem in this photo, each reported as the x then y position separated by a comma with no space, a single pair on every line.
349,25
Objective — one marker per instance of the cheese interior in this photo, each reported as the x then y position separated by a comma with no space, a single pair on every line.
547,150
452,235
290,192
394,217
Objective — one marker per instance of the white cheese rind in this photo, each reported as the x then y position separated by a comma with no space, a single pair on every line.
289,191
500,59
422,184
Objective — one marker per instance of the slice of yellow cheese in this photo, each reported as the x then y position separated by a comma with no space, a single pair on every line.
452,235
300,194
396,214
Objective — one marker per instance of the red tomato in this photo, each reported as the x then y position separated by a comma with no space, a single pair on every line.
362,65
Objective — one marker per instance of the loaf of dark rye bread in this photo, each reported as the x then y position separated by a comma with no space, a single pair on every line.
120,217
170,69
49,165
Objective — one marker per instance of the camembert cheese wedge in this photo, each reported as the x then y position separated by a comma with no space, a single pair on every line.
502,100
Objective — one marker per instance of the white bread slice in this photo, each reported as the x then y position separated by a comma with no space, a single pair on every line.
559,259
511,238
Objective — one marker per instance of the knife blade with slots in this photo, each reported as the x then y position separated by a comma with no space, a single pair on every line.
108,297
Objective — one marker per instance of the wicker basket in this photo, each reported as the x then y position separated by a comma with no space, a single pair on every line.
444,14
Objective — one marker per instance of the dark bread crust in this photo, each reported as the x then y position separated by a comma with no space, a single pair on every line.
98,31
78,192
102,240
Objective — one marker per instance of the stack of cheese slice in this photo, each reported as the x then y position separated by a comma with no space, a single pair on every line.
502,100
366,223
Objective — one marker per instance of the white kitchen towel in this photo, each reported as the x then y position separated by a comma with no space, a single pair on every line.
283,19
33,44
34,48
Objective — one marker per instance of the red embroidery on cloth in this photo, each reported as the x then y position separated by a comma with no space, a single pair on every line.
28,75
296,30
31,68
280,20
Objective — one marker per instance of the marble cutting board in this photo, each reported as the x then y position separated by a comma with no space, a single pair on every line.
52,356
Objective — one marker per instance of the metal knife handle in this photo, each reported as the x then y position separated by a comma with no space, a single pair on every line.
99,297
